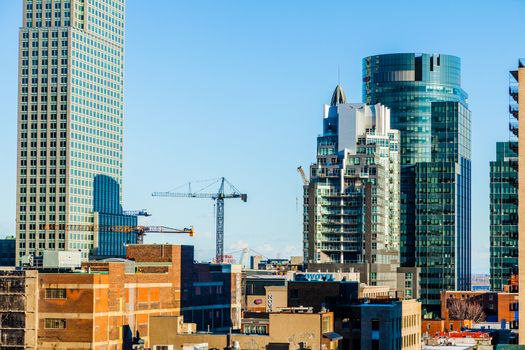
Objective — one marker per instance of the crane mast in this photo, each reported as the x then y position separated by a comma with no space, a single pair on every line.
300,170
219,234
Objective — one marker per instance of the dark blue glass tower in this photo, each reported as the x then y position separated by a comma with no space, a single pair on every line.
429,108
115,229
503,215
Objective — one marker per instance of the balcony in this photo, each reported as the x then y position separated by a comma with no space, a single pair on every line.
513,146
341,248
513,128
513,110
513,91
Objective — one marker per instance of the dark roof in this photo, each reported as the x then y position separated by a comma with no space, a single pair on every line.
333,336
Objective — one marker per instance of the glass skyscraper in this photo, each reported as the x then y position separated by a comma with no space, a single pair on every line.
429,108
503,215
70,120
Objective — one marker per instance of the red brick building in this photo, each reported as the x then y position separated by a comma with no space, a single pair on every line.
107,304
498,306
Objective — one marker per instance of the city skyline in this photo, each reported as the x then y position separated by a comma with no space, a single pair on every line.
153,160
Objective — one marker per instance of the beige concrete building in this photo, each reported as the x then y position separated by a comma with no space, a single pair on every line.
313,330
411,325
373,292
517,110
276,298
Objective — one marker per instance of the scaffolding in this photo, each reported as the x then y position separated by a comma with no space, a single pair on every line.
18,309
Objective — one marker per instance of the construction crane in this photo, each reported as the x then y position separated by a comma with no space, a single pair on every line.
244,259
300,170
140,212
142,230
219,198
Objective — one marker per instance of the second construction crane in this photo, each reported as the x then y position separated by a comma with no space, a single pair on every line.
226,191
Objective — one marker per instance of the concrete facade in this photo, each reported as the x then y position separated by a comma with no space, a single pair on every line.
273,300
352,213
410,325
408,283
312,330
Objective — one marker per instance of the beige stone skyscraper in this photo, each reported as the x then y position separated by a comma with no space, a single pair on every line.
70,121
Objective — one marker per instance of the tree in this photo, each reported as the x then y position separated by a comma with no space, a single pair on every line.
459,309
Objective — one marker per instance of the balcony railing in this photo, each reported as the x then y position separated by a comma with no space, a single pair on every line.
513,91
513,145
513,110
513,128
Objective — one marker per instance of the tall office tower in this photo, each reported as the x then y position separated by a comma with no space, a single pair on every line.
352,200
70,121
429,108
503,215
517,112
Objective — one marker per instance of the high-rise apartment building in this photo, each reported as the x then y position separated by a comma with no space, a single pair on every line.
70,123
352,200
429,108
517,112
503,215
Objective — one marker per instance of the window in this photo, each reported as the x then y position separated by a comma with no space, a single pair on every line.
326,325
375,325
55,323
163,347
55,293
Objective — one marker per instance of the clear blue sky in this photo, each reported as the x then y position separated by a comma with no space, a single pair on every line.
236,88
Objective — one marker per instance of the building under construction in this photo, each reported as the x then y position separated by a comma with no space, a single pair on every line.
18,309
